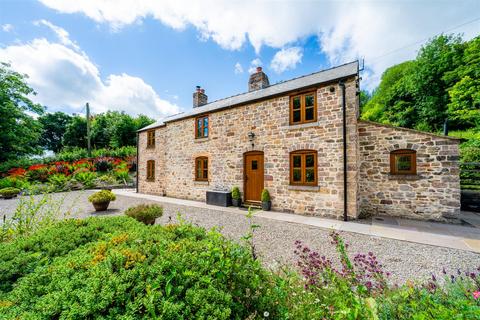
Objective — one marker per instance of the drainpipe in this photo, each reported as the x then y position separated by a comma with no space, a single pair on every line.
341,83
136,178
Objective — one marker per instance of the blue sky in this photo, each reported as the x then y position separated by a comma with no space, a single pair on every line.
147,56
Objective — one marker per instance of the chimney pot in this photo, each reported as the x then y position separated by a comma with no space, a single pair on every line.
259,69
202,90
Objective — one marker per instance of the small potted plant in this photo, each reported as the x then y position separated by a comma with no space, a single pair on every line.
101,199
266,203
236,197
9,193
146,213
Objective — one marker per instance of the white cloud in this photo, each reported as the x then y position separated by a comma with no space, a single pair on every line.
61,33
66,77
238,68
254,64
346,30
286,59
7,27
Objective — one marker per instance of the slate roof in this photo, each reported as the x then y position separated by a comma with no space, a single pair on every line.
306,81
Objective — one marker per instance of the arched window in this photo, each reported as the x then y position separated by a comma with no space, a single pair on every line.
303,168
403,161
201,169
150,170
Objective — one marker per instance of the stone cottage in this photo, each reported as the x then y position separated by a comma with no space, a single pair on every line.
303,141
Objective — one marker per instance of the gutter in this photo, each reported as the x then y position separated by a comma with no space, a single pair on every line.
136,178
341,83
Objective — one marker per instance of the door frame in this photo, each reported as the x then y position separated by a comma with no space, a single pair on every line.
251,153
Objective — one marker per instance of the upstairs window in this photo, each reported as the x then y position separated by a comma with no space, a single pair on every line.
201,127
303,108
201,169
150,170
151,139
303,168
403,162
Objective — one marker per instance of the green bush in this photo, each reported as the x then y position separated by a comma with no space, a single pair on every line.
236,193
14,182
9,192
102,196
58,181
106,180
86,178
117,268
146,213
265,195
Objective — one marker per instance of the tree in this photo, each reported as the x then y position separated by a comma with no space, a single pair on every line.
54,126
76,133
19,131
101,131
441,82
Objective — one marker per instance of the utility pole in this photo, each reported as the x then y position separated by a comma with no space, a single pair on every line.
89,147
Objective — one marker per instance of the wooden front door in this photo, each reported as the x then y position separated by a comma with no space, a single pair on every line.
253,179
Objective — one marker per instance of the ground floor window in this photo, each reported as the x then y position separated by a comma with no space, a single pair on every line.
403,162
303,167
150,170
201,169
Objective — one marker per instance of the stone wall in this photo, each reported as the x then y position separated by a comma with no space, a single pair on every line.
176,148
432,194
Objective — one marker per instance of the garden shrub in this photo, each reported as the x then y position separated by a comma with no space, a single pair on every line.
86,178
236,193
58,181
102,196
105,180
103,164
9,192
14,182
117,268
146,213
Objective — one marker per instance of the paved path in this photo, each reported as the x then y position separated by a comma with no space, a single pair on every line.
431,233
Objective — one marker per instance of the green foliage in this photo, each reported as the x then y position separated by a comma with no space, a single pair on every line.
265,195
117,268
86,178
453,301
75,133
54,126
236,193
58,181
9,192
442,81
19,131
105,180
102,196
14,182
146,213
30,215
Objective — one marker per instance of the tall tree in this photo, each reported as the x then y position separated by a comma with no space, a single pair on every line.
19,131
76,133
54,126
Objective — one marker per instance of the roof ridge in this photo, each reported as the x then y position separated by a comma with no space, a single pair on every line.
282,82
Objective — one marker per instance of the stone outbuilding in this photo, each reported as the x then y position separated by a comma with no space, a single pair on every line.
303,141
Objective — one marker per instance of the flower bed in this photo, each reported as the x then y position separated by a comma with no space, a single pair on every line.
119,268
101,171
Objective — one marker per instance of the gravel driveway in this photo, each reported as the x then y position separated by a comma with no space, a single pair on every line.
274,240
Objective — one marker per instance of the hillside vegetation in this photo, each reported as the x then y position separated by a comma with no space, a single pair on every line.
443,82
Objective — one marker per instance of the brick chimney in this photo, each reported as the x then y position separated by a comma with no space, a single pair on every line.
258,80
199,97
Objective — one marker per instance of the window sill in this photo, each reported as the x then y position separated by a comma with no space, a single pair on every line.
150,147
201,139
200,183
301,125
303,188
403,177
150,180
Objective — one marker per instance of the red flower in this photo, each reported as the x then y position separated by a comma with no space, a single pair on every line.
17,172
